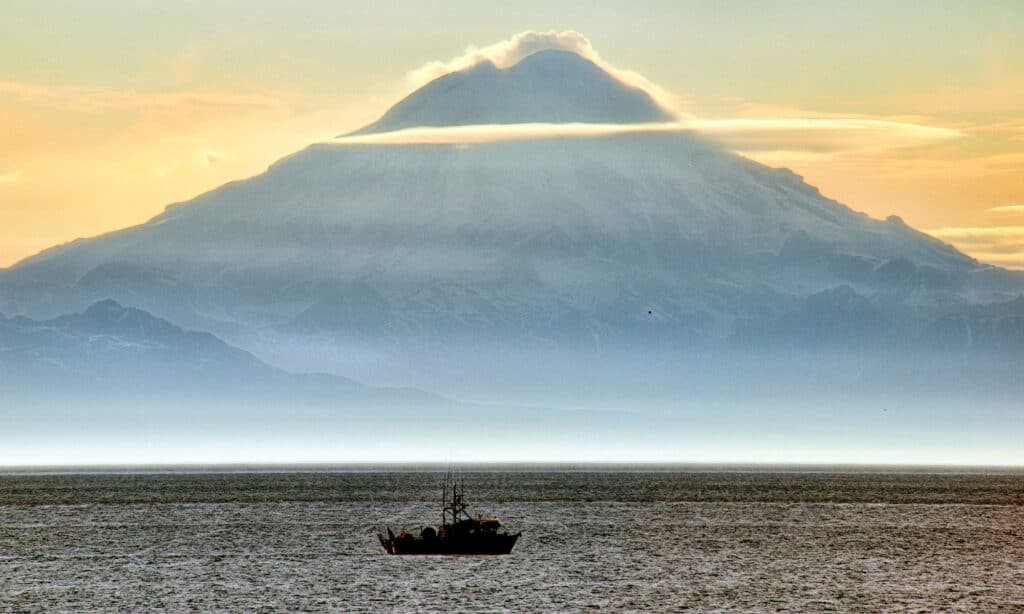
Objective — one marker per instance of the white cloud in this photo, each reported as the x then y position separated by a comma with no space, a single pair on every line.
767,132
1009,209
761,130
508,52
816,137
821,135
457,135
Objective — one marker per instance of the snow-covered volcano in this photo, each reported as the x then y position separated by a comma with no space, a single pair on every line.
551,86
639,293
634,238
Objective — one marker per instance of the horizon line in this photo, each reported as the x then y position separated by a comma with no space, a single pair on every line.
430,466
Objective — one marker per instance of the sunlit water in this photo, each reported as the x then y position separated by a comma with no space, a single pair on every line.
668,539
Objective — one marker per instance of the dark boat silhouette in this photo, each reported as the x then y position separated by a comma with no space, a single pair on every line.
459,533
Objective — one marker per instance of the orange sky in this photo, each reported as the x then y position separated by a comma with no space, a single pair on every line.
110,112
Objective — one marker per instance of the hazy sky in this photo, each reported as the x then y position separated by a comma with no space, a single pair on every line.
110,110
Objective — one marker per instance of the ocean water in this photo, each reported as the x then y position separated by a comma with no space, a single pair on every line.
594,538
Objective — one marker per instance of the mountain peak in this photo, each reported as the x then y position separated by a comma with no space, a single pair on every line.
109,316
105,306
556,57
550,86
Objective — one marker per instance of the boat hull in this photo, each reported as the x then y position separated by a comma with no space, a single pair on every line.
477,545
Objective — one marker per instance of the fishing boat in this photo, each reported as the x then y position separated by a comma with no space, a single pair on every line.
459,533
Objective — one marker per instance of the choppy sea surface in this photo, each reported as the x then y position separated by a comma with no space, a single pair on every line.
594,538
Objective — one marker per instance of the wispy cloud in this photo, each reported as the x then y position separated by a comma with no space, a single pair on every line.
506,53
460,135
1010,209
742,109
821,135
100,99
979,234
1002,245
815,136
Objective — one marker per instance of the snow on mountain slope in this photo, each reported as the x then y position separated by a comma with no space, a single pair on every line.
508,235
548,86
648,190
628,237
672,290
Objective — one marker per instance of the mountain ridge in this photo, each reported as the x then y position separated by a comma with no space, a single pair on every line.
644,200
358,254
